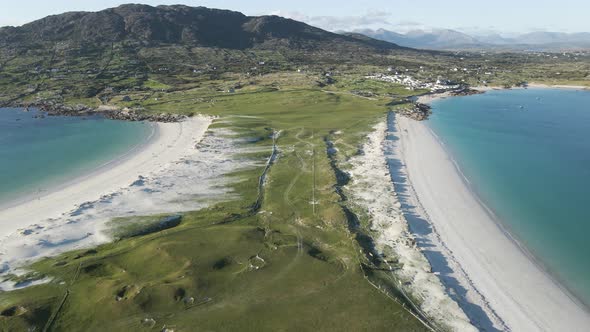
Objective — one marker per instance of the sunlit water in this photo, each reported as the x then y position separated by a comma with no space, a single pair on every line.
37,154
527,155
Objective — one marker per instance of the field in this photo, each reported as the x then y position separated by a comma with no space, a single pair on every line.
296,261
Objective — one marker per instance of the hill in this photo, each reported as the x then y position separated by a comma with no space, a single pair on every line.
182,25
83,55
89,58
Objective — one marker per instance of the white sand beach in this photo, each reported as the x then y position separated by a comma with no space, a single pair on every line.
166,174
372,190
167,143
496,283
558,86
430,97
531,85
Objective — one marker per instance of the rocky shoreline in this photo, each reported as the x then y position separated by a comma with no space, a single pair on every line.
109,112
418,111
466,92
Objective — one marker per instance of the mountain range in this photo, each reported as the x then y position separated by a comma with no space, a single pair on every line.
447,39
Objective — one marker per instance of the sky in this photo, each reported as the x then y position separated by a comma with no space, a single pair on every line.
470,16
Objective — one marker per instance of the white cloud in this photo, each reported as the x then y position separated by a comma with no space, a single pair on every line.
370,19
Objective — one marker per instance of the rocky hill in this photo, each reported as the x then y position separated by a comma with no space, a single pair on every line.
196,26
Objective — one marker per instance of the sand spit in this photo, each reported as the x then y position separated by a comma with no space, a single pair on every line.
372,190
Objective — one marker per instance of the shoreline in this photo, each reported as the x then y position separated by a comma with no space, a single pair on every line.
168,143
372,189
535,259
55,187
473,241
431,97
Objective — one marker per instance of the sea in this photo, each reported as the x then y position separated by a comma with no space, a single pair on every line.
526,154
39,153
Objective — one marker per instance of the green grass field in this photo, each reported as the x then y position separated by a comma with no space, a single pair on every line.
293,264
292,257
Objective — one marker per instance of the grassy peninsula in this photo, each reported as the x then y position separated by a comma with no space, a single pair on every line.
288,251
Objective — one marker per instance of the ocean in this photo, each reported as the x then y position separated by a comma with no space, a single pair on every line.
37,154
526,153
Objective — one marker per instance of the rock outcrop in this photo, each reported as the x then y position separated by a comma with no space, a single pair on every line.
52,108
465,92
417,111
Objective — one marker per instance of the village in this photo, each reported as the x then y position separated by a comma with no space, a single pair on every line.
411,83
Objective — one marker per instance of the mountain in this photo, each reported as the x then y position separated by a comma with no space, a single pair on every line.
90,54
446,39
440,37
196,26
495,39
435,39
553,37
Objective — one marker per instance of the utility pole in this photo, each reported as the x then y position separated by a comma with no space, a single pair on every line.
313,201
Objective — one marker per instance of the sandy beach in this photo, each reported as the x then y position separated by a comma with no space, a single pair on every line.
74,214
372,190
557,86
531,85
429,98
167,143
496,283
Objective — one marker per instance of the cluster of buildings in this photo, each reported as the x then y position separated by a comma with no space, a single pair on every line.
412,84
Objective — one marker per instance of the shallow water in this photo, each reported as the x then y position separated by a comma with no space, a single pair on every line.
39,153
527,155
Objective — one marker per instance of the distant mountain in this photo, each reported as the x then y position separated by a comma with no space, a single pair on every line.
553,37
440,37
495,39
198,26
446,39
435,39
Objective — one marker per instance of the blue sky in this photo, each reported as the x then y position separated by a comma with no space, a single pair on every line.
470,16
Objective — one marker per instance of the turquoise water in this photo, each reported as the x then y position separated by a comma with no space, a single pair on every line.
37,154
527,155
